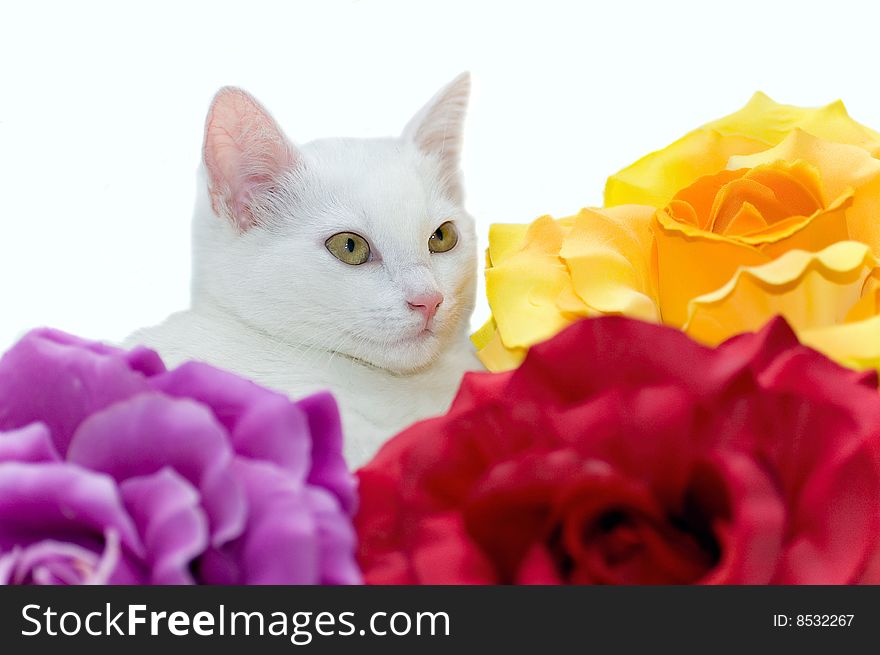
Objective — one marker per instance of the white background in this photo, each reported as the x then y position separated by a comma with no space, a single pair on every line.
102,108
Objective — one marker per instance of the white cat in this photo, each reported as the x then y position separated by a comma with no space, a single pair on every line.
341,264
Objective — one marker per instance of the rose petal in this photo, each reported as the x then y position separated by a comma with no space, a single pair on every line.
218,566
714,257
266,425
328,464
751,538
538,568
60,502
477,388
608,253
139,359
59,380
296,534
276,430
336,538
380,524
810,289
173,527
655,178
841,166
51,563
663,415
32,443
807,373
511,509
443,553
617,352
522,291
492,352
226,394
852,344
835,522
144,434
279,545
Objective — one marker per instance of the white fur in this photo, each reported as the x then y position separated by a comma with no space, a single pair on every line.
271,303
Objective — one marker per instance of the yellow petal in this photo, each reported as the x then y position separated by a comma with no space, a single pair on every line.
806,233
523,289
841,167
810,289
572,305
496,357
856,345
504,240
845,171
608,254
691,262
484,335
869,303
657,177
863,217
762,123
545,277
766,120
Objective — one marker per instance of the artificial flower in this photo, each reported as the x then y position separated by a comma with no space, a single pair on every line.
726,214
115,470
622,452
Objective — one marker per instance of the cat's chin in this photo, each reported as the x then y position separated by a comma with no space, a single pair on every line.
410,354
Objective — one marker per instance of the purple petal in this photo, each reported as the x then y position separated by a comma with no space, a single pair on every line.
276,430
280,545
7,565
329,469
258,421
144,434
173,527
52,562
218,567
28,444
139,358
60,502
58,379
228,395
336,538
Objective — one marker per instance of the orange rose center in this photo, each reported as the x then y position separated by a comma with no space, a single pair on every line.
747,201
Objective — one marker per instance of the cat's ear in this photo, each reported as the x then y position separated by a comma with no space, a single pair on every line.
438,129
245,153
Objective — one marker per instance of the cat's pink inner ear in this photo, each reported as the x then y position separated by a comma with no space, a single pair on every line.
245,153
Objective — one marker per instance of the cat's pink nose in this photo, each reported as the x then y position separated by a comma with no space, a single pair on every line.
426,304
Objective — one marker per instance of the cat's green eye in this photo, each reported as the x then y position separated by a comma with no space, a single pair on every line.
349,248
444,238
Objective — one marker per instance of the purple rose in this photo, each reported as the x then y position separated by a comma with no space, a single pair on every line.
115,470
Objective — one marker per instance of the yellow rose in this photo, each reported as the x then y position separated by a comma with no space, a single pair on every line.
772,210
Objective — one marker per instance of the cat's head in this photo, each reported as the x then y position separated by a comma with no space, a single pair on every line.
354,246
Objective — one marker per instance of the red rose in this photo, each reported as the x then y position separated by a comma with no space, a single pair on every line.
623,452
